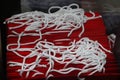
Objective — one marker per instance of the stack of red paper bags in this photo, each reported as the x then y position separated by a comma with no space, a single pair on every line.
94,29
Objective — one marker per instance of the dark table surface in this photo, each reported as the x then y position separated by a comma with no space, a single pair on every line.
2,52
1,61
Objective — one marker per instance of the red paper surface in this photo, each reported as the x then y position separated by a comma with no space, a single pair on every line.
94,29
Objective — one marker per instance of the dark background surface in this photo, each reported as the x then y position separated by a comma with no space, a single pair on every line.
9,7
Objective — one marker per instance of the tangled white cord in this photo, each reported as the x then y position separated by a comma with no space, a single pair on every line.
111,39
66,18
85,52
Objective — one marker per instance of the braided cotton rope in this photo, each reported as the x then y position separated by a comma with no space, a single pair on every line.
65,18
85,52
111,39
